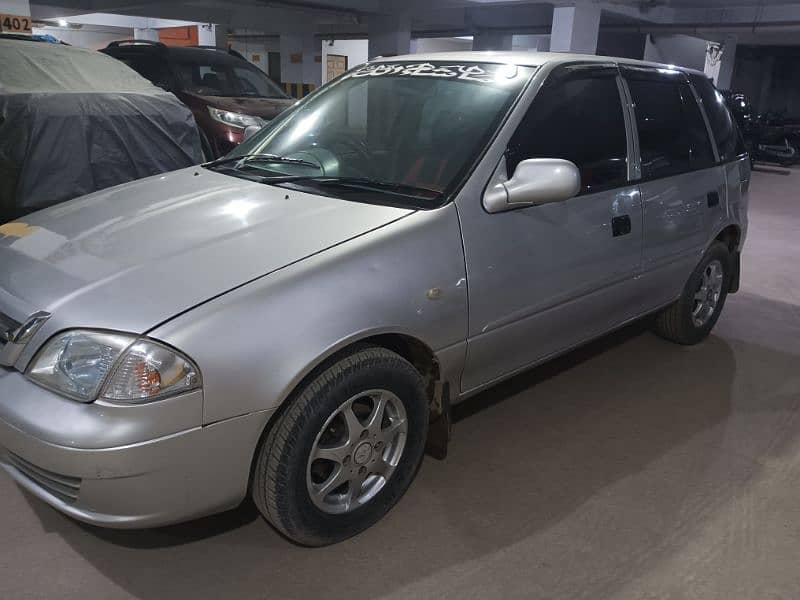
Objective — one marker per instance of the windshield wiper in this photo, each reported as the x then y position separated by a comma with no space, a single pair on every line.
269,158
363,183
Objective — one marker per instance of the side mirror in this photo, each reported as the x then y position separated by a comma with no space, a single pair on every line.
250,131
535,181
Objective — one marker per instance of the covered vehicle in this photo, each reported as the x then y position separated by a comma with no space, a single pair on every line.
75,121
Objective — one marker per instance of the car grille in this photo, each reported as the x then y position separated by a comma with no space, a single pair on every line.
61,486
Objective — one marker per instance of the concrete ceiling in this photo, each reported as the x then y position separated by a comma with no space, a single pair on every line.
753,21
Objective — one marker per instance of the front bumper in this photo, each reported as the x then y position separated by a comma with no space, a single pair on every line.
135,484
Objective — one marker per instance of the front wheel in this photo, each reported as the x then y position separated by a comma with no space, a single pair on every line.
345,450
691,318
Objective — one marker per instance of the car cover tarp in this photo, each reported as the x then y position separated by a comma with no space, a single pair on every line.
74,121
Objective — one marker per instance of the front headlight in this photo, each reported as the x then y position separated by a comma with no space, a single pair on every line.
114,366
235,119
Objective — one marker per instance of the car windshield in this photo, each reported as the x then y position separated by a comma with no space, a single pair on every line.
386,130
225,78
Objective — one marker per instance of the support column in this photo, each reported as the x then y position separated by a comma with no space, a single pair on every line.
301,63
575,29
492,40
146,33
390,34
725,75
207,34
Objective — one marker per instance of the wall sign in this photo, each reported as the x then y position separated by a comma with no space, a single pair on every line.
15,24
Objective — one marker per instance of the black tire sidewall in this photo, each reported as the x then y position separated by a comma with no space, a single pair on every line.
691,332
302,520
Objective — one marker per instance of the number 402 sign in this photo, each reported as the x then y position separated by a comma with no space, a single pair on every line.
15,24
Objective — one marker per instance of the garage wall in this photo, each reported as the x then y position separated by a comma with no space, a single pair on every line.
682,50
257,49
354,50
424,45
91,37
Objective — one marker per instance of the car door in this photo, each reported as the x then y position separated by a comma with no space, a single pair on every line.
731,153
682,189
542,279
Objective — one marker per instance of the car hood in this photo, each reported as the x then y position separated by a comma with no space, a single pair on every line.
133,256
266,108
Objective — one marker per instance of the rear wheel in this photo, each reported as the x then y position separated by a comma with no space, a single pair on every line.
691,318
345,450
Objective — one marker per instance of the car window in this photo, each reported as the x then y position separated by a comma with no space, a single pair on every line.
722,124
225,79
150,67
577,118
701,154
673,137
413,124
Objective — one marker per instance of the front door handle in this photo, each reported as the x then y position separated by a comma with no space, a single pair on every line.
713,198
621,225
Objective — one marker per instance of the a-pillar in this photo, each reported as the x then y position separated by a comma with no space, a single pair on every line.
492,40
301,63
727,62
575,29
390,34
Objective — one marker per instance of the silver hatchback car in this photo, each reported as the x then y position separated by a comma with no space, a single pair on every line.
294,321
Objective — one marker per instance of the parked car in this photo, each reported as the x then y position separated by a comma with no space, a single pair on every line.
225,92
74,121
305,311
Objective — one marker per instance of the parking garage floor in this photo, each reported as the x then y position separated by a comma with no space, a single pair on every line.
631,468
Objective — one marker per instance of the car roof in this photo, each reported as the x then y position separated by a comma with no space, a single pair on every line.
528,58
178,52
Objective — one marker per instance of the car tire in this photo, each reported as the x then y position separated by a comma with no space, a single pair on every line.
690,319
375,458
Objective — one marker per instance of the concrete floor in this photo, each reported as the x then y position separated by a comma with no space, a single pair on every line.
632,468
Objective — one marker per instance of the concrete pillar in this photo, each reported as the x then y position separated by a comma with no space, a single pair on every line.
492,40
575,29
390,35
725,74
207,34
301,61
146,33
16,7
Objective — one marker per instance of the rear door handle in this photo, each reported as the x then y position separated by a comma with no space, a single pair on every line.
713,199
621,225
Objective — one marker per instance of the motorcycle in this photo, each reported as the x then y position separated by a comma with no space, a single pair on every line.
767,137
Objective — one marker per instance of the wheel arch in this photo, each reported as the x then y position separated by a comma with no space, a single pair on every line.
411,348
731,236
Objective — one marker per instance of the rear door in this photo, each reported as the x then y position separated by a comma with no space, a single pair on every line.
682,188
731,152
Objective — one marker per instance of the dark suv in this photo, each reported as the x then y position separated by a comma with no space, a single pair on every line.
225,92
